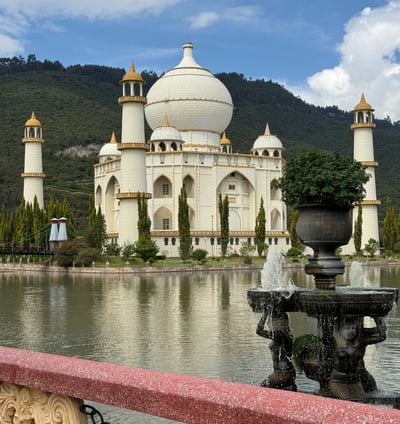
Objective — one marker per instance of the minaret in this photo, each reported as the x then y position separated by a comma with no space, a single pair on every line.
33,171
364,152
133,160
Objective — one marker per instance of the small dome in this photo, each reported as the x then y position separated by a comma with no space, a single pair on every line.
166,132
363,105
132,75
267,141
33,121
225,140
110,149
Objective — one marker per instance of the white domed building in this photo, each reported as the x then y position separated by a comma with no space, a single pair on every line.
188,110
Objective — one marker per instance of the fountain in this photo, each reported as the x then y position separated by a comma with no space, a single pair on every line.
335,356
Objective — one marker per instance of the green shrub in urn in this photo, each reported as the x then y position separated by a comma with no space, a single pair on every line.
313,177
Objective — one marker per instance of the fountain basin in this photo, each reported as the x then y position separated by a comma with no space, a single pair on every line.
341,301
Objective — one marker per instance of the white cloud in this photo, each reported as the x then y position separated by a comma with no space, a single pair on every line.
93,9
242,13
370,63
237,14
9,46
203,20
18,17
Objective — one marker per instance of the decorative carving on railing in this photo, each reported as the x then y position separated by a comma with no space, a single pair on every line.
23,405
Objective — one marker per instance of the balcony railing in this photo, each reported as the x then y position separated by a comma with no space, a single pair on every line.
47,388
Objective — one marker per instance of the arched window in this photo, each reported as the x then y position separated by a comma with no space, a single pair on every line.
162,188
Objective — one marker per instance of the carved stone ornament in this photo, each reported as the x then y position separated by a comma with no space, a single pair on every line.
23,405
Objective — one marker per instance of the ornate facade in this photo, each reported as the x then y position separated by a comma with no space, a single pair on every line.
188,110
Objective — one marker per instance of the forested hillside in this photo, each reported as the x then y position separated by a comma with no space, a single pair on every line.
78,109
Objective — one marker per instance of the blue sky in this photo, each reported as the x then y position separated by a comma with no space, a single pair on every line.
327,52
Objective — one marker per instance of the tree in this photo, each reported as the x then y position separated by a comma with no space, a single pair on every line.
96,231
144,222
371,247
145,248
223,206
260,229
389,231
68,252
294,238
185,241
358,230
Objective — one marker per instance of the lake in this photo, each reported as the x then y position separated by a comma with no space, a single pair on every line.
196,323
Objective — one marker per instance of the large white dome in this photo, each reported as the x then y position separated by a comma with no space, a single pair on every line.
191,97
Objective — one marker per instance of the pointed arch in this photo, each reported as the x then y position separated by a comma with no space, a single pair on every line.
188,184
162,219
274,190
241,197
98,196
276,220
162,187
234,221
111,205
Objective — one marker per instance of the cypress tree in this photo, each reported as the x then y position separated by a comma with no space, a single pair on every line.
144,247
260,229
223,206
358,230
96,231
389,227
144,222
185,241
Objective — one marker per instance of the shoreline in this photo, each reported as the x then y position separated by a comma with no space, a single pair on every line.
24,267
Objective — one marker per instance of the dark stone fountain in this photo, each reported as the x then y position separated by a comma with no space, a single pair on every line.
335,356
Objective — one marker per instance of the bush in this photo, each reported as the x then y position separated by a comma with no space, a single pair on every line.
127,251
87,256
146,249
247,260
294,252
67,253
112,249
199,255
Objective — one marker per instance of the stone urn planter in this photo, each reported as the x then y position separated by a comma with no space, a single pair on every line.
324,229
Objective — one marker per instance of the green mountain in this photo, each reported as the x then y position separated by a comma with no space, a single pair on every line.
78,109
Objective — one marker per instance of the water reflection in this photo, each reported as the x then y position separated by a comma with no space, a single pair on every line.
197,323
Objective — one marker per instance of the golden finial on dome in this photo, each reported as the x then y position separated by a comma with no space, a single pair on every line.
363,105
113,138
166,122
132,75
267,130
33,121
225,140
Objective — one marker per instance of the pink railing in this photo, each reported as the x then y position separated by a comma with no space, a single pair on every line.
179,397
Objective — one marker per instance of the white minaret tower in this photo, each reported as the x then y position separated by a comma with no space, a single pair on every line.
133,160
33,171
364,152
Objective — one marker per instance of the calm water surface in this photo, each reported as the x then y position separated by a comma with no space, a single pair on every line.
197,323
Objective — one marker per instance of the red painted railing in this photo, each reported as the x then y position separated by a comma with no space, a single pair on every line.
179,397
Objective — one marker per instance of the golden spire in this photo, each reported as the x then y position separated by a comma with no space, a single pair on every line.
33,121
267,131
363,105
225,140
166,122
113,138
132,75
